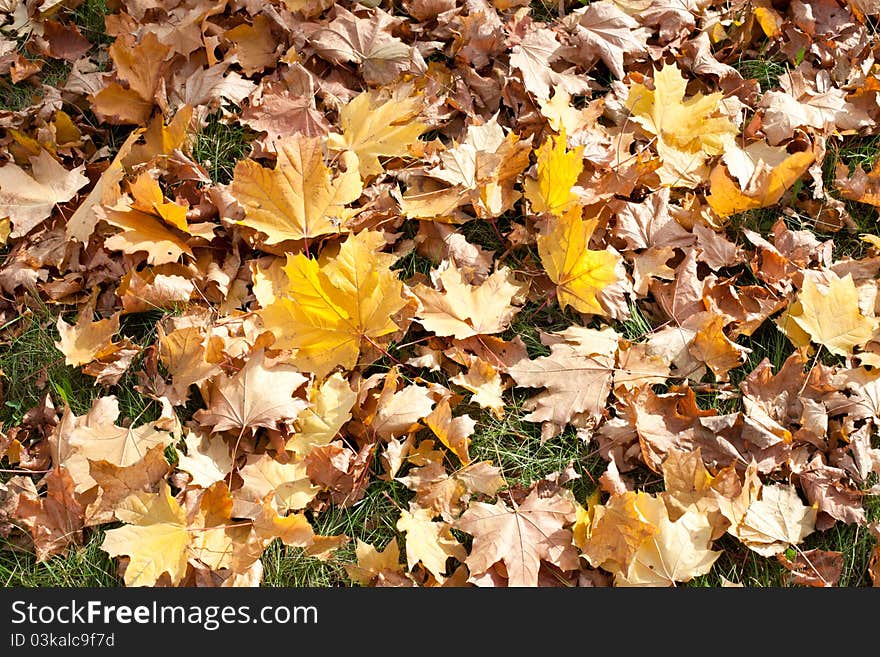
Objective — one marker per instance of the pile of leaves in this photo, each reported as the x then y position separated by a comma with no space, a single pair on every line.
346,305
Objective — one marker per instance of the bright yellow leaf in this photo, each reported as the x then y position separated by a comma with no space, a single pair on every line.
330,408
688,130
156,541
678,552
143,232
558,171
766,187
579,272
333,305
430,542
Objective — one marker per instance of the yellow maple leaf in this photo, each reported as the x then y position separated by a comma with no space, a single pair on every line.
454,432
829,314
428,541
372,562
331,305
373,128
677,552
148,197
558,171
147,221
297,199
160,139
765,187
579,272
633,537
688,130
155,540
330,407
82,342
462,310
776,521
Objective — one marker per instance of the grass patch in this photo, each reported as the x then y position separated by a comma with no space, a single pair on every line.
16,97
218,146
87,565
539,317
55,72
740,565
545,10
636,326
32,366
413,263
766,71
372,520
89,18
514,445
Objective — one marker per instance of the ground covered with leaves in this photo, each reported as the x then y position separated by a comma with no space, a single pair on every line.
439,293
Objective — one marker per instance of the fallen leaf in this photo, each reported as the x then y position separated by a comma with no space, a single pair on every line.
453,432
55,520
367,42
818,568
773,171
461,310
257,396
207,459
255,45
577,376
28,200
521,536
533,57
330,405
558,170
155,538
827,311
602,30
429,542
373,564
374,128
297,199
689,130
677,552
95,436
83,342
115,483
287,485
579,272
775,521
332,305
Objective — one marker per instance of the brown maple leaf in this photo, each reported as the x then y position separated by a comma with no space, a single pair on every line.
56,519
521,536
256,396
369,43
577,377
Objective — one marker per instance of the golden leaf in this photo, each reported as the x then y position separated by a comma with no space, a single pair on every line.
373,128
298,199
579,272
331,305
